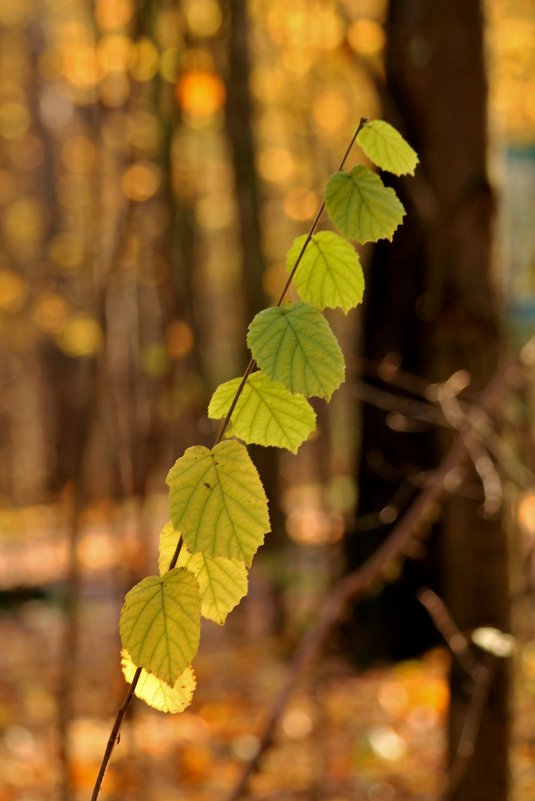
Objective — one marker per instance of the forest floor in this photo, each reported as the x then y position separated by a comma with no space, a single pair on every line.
374,736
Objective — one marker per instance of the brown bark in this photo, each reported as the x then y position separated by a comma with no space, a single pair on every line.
431,299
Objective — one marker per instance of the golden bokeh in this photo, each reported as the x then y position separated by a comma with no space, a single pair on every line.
81,336
145,61
14,120
13,291
141,181
113,14
178,339
50,313
366,37
200,92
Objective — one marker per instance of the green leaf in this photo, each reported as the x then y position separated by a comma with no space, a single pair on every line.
329,274
265,413
294,344
387,148
218,502
160,623
223,582
361,206
157,693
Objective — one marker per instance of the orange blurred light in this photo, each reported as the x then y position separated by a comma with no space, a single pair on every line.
14,120
276,164
12,291
366,37
111,14
526,513
66,251
200,92
81,336
81,66
203,17
178,338
141,181
330,111
301,203
24,221
115,52
51,313
145,61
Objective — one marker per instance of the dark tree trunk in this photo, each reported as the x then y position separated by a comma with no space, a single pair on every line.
430,301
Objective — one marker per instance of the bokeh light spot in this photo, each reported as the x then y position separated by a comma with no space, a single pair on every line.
145,60
112,14
12,291
66,251
178,338
200,92
276,164
81,336
141,181
366,37
51,313
14,120
301,203
203,17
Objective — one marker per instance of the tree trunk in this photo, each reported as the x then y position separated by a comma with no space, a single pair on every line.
430,300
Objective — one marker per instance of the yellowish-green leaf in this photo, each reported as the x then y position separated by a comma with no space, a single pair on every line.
223,582
294,344
361,206
266,412
160,623
218,502
329,274
387,148
157,693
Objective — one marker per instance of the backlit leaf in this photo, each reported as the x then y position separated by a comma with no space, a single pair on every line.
223,582
294,344
329,274
218,502
157,693
387,148
160,623
361,206
266,412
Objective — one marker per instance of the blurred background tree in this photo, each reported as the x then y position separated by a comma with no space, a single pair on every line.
156,161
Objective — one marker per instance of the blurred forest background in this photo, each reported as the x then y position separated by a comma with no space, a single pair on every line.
157,159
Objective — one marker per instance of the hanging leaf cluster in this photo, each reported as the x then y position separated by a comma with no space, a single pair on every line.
218,508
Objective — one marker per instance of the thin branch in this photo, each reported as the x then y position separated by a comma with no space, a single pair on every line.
315,221
114,736
449,630
471,728
414,523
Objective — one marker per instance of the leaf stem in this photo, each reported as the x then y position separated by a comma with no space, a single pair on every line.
176,554
114,736
363,121
315,221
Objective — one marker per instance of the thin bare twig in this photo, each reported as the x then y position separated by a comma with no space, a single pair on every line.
466,746
413,523
449,630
